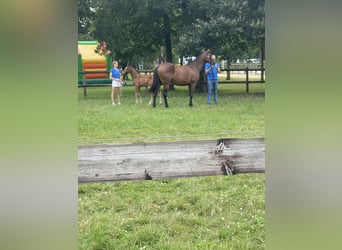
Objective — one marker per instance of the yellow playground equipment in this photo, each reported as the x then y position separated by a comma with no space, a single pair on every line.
89,61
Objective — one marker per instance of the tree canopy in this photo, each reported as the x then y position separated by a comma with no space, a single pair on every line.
138,30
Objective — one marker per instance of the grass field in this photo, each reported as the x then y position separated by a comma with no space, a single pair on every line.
193,213
236,115
221,212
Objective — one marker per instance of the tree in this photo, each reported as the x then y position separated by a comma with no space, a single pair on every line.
226,27
84,18
136,30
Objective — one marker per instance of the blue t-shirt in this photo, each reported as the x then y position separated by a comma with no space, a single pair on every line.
212,74
115,73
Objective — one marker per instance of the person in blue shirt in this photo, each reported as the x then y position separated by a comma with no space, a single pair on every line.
211,70
116,82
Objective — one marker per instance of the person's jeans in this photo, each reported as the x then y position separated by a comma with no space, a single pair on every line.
212,89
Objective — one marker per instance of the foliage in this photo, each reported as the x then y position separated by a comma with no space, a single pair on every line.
84,16
137,30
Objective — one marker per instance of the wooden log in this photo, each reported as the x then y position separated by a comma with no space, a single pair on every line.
243,155
142,161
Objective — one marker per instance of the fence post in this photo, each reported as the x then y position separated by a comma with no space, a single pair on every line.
247,81
84,84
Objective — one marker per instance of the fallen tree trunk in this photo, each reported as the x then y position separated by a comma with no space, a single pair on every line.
159,160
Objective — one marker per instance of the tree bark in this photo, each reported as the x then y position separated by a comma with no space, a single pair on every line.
167,34
168,45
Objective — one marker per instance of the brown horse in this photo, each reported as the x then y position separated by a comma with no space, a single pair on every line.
140,81
179,75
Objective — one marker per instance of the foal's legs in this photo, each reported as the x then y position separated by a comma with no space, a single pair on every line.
136,95
151,99
139,95
160,98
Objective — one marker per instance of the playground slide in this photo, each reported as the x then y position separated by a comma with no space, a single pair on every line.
89,61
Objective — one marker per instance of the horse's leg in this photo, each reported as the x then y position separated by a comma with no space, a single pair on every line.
155,85
151,99
165,98
191,93
154,98
166,88
136,95
155,93
139,95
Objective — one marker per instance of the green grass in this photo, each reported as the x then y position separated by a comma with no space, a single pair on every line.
194,213
221,212
236,115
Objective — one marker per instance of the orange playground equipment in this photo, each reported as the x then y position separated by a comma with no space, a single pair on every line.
89,61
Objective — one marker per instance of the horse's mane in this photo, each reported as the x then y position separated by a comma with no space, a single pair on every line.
134,69
131,67
195,61
191,63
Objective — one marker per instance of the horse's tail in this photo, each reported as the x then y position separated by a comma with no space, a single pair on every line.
156,81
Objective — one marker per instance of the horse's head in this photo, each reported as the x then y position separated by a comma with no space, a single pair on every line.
130,69
208,58
205,56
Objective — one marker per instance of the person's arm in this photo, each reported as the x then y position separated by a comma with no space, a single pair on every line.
218,67
111,75
120,76
207,68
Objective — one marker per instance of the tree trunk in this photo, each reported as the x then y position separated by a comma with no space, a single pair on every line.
228,70
168,46
167,31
